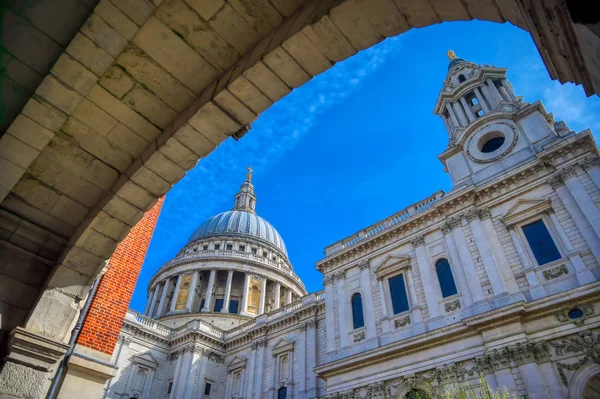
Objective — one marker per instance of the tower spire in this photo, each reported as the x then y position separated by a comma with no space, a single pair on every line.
245,200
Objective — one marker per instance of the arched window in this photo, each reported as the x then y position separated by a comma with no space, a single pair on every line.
282,393
444,273
461,78
357,311
417,394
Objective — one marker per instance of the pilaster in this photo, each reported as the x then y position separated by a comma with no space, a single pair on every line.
342,300
369,314
429,285
329,312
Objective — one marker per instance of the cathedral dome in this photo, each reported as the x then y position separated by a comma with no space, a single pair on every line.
242,223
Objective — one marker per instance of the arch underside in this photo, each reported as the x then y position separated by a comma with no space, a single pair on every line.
141,93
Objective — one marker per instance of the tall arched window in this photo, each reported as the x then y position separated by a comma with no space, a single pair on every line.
282,393
444,273
357,311
461,78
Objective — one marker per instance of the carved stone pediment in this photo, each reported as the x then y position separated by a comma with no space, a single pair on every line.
525,208
146,359
282,346
392,264
237,362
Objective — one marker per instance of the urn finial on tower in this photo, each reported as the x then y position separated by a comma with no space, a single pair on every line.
245,200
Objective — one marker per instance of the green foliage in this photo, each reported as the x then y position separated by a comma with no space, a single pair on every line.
456,391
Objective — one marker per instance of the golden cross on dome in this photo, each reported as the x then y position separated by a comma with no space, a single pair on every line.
249,174
451,55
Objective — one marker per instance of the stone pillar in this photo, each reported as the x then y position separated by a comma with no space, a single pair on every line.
584,275
194,369
534,383
466,261
149,301
494,92
252,369
481,100
498,252
342,300
301,347
509,90
209,291
429,285
592,166
288,296
329,312
460,114
368,310
536,290
579,218
556,390
177,373
311,358
192,292
260,367
452,115
457,269
277,296
227,296
263,295
183,380
467,109
505,379
447,125
202,378
481,240
152,302
504,93
415,309
583,199
175,294
244,310
385,321
163,298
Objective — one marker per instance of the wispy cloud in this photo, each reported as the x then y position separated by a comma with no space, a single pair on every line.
209,187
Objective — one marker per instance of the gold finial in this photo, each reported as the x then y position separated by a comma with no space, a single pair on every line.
451,55
249,174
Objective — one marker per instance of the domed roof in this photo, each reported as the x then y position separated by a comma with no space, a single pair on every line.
243,223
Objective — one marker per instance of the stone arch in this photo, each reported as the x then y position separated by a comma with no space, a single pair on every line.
117,122
579,384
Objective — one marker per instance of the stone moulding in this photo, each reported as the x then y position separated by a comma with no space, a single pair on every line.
555,272
402,322
452,305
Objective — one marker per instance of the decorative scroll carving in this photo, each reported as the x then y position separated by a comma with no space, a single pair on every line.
418,241
447,228
555,272
328,279
452,305
484,213
402,322
341,275
358,337
590,162
585,343
364,264
556,182
472,215
568,172
586,308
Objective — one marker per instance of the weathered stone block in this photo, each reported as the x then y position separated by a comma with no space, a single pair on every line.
354,25
68,211
306,54
165,168
89,54
22,265
260,14
123,210
103,35
96,243
71,282
152,182
194,140
286,68
213,123
44,114
138,10
127,140
418,13
384,16
485,10
287,7
173,54
16,205
71,72
148,72
94,116
35,194
233,28
266,81
136,195
58,94
150,106
116,19
179,154
9,174
16,151
110,226
243,89
206,8
450,10
116,81
100,174
16,293
329,39
54,314
235,107
123,113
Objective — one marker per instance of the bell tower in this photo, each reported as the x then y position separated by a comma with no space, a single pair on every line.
490,129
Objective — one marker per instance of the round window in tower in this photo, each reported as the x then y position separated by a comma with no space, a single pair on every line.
491,142
575,314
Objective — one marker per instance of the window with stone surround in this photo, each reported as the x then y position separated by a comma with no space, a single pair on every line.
445,277
218,304
358,319
540,242
282,393
398,294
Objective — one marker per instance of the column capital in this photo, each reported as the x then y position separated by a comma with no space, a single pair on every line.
328,279
341,275
471,215
446,228
364,264
418,241
590,162
556,181
568,172
484,213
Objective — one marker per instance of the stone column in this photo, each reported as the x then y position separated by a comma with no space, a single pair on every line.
504,93
429,285
460,114
288,296
494,92
311,358
592,166
260,367
498,252
252,369
481,100
149,301
175,293
536,290
481,240
509,90
203,368
452,115
227,297
584,275
583,199
177,373
329,312
163,299
194,370
302,355
191,292
244,310
152,302
466,261
228,384
532,378
263,295
415,309
457,269
385,322
579,218
183,381
556,390
209,291
368,310
467,109
505,379
276,296
342,300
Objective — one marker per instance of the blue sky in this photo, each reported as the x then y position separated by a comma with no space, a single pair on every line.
355,144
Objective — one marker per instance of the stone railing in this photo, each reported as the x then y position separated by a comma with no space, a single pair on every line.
385,224
148,323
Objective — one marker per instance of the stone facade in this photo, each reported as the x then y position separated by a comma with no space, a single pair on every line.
518,321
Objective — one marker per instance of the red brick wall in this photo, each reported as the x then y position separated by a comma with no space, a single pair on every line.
104,320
